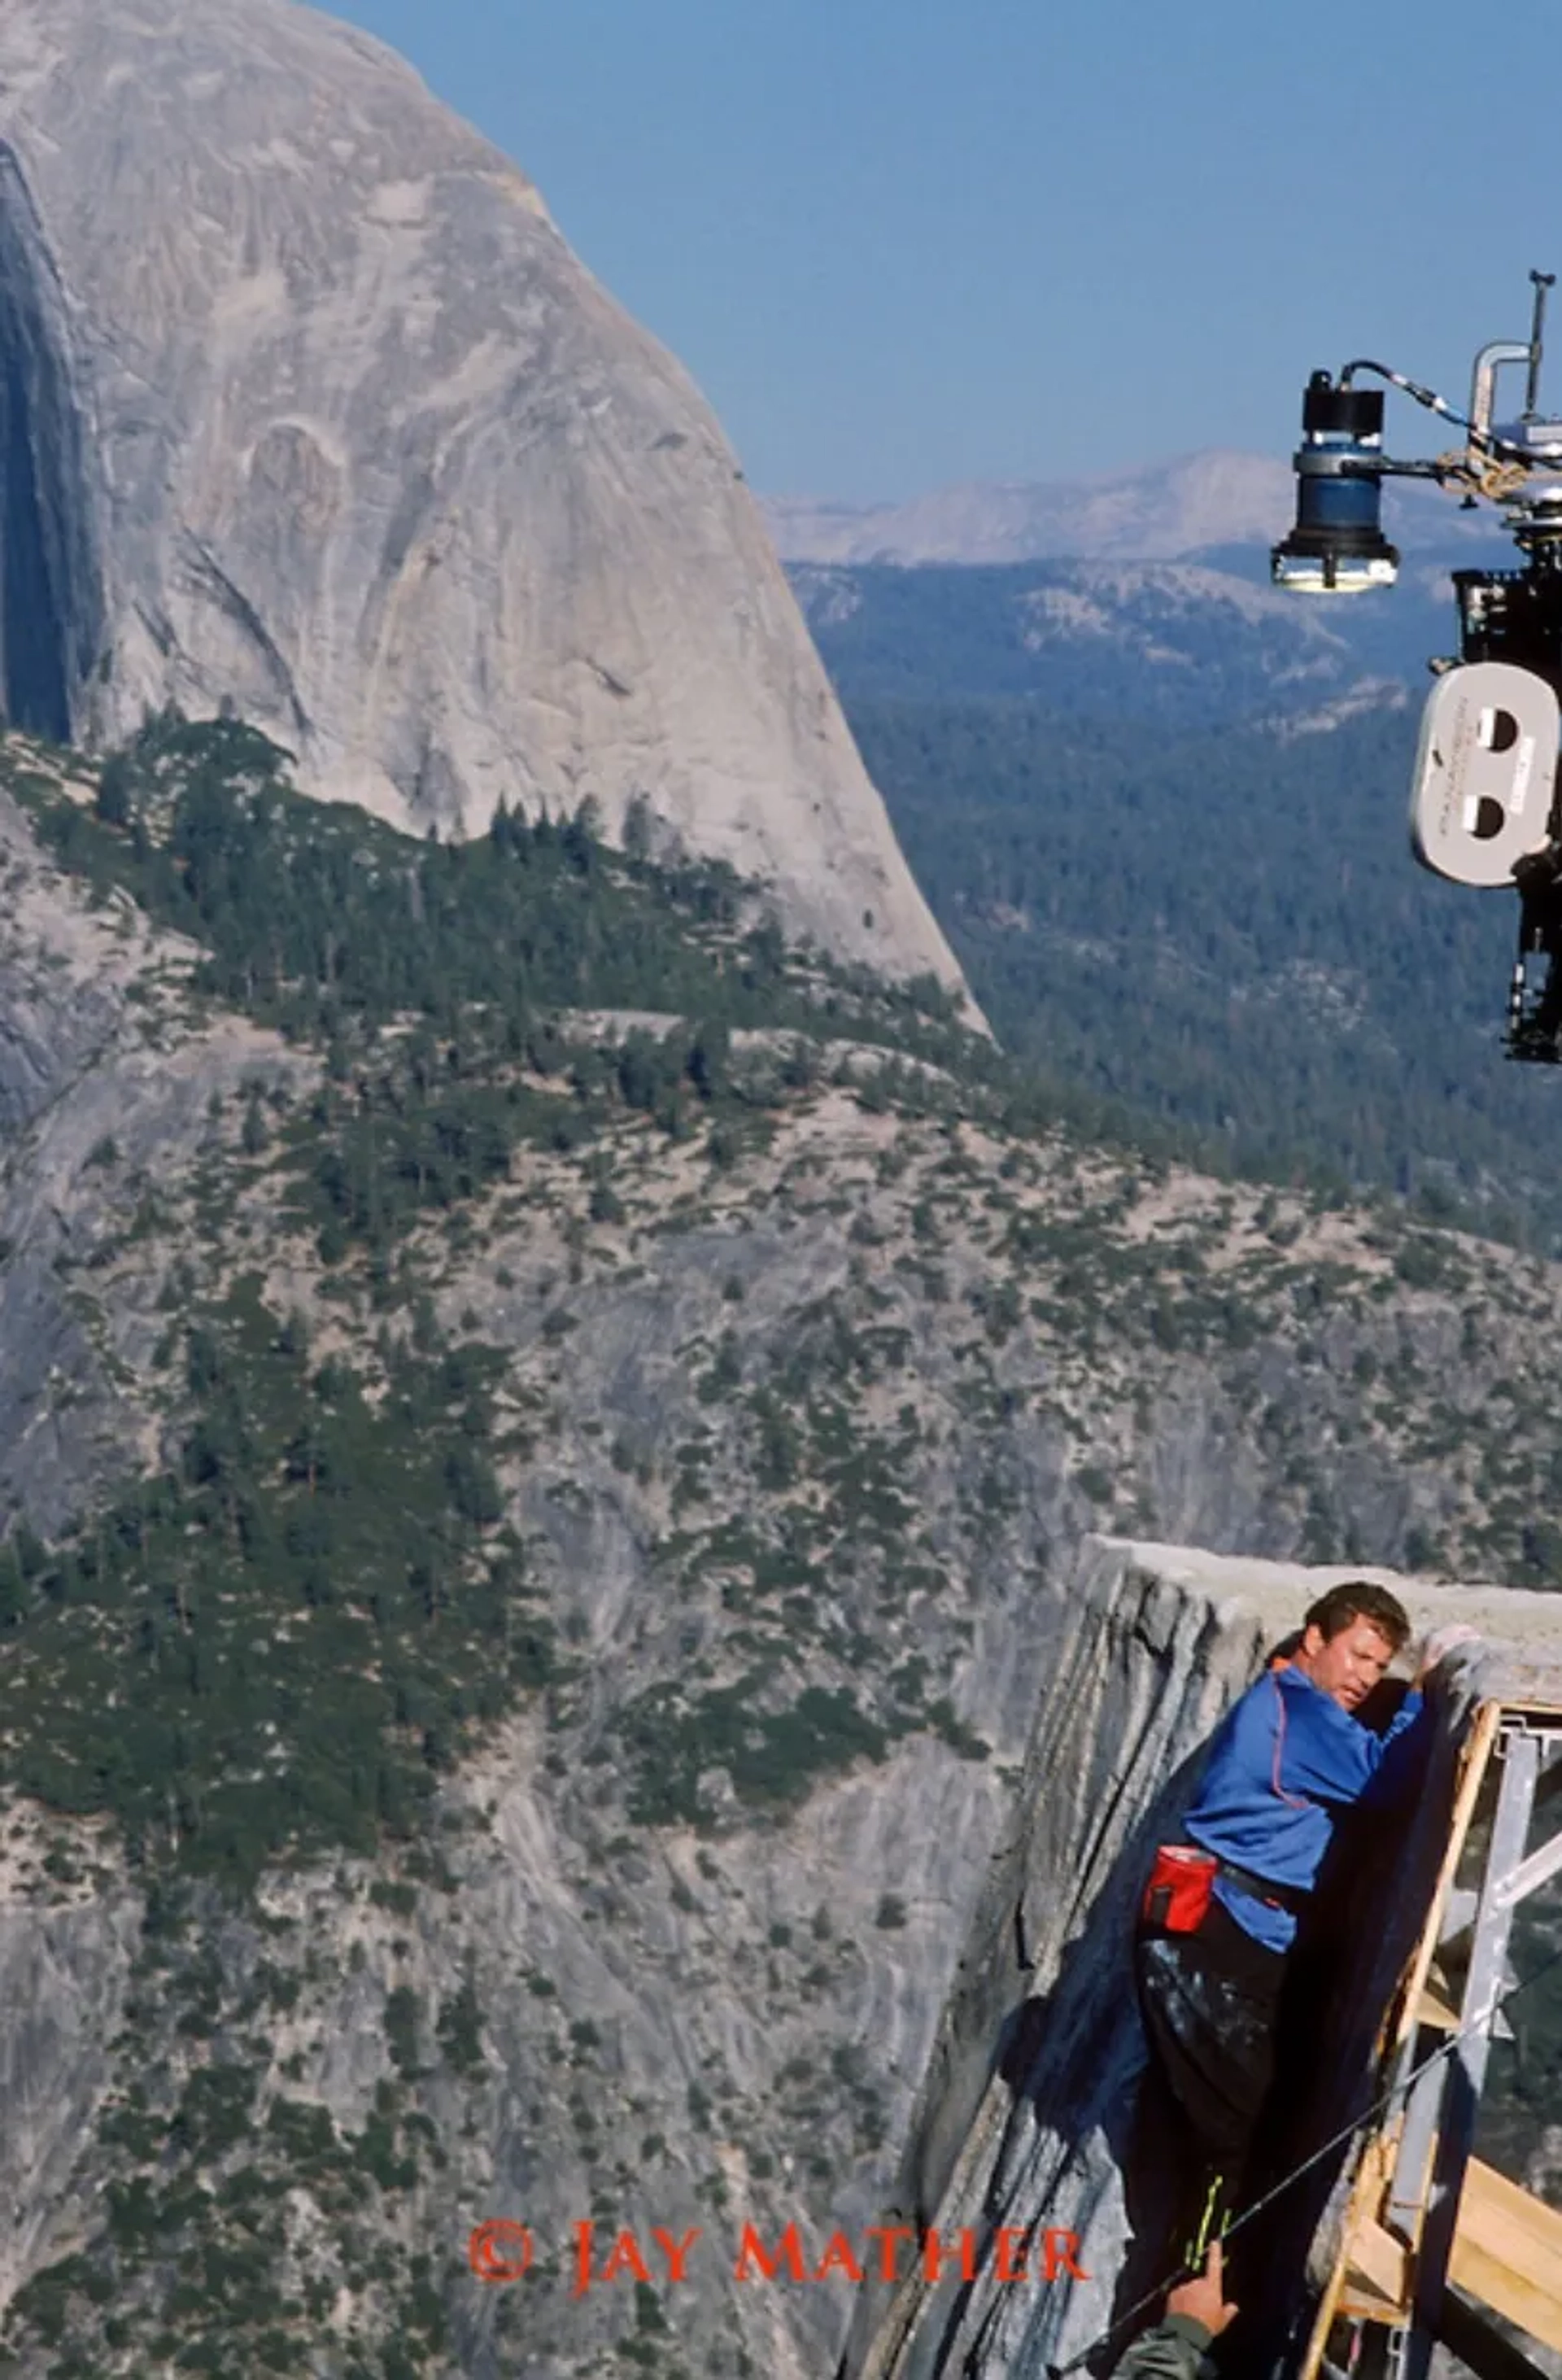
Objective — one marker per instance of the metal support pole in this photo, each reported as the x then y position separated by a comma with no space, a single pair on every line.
1550,1785
1482,2346
1375,2359
1530,1873
1406,2193
1543,282
1464,2072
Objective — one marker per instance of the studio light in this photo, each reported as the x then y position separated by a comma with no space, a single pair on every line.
1338,546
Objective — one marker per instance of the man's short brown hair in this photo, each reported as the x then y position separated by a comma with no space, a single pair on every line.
1358,1598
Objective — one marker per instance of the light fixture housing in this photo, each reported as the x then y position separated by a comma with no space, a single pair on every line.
1338,546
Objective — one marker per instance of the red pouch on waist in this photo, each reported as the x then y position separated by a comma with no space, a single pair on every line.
1177,1892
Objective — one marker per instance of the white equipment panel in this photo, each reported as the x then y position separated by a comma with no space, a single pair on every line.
1484,771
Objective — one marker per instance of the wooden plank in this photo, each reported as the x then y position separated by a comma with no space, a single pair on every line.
1373,2255
1359,2301
1473,1758
1507,2253
1366,2192
1430,2011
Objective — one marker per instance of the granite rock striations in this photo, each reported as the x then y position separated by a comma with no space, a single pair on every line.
307,410
1028,2109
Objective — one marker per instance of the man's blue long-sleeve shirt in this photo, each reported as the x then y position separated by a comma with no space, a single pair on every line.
1284,1760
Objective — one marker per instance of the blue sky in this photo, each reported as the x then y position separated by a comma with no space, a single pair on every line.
902,242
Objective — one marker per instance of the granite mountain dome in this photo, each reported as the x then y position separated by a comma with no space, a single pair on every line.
307,408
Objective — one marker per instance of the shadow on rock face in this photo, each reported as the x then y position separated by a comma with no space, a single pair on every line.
1076,2066
1065,2138
50,607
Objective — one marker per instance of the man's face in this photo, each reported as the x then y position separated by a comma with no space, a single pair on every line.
1347,1666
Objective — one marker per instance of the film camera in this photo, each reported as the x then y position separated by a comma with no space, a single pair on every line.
1483,797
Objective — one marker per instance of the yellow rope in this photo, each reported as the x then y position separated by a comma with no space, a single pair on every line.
1198,2248
1484,475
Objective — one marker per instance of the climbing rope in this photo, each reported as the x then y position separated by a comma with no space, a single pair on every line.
1379,2107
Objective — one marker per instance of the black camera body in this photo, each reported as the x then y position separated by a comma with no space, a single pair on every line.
1483,797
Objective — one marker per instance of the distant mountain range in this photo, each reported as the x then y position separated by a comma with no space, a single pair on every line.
1146,596
1160,512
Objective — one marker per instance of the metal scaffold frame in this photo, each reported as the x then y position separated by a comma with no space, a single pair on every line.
1428,2226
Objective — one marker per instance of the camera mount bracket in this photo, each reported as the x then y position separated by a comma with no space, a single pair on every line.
1485,810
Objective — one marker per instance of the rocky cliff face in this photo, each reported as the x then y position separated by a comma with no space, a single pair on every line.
306,407
742,1912
1027,2112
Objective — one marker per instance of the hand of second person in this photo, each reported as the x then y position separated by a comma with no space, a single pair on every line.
1204,2298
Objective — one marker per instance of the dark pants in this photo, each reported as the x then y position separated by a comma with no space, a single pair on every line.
1210,2002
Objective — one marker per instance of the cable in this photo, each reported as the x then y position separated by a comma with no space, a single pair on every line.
1427,397
1288,2181
1488,439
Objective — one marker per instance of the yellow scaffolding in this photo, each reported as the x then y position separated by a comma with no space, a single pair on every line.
1423,2212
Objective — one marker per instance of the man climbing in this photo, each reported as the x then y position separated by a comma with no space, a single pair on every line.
1220,1916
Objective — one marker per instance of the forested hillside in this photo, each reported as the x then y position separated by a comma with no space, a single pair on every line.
1198,642
544,1439
1172,902
430,981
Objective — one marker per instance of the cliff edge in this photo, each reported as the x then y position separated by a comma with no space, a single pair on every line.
307,410
1027,2114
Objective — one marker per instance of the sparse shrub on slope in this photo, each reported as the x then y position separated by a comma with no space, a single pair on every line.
279,1644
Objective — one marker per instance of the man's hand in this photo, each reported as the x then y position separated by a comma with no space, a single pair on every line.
1440,1643
1203,2299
